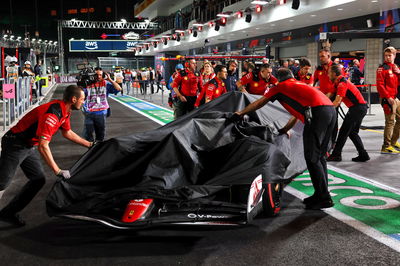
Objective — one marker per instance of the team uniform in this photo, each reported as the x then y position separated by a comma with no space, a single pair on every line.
200,97
214,88
321,76
18,148
387,81
189,84
307,78
256,84
354,100
299,99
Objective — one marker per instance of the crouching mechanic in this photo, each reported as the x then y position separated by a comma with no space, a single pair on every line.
18,145
348,93
316,111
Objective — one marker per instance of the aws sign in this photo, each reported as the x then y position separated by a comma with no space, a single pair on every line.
101,45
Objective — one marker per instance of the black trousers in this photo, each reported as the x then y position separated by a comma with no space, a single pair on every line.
350,128
14,152
316,137
182,108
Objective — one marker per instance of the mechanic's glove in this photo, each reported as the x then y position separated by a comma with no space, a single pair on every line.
64,174
235,117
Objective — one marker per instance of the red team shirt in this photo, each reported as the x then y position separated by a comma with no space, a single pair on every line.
349,92
387,80
189,83
258,87
290,93
215,88
307,78
204,80
43,122
321,75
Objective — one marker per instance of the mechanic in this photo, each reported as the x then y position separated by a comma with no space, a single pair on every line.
258,80
18,145
172,95
304,74
316,111
232,76
348,93
216,87
96,105
187,84
387,81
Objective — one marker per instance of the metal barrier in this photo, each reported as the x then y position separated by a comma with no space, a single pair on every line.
14,108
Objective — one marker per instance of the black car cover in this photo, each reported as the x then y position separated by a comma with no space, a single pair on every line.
191,158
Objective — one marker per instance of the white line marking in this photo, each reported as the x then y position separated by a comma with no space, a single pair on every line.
369,231
139,111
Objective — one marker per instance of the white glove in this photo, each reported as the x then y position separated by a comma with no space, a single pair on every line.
64,174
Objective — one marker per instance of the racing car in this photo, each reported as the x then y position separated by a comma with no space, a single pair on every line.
202,169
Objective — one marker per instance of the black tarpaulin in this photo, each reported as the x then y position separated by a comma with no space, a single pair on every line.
191,158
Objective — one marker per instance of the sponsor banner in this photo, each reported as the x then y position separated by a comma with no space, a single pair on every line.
154,112
371,203
101,45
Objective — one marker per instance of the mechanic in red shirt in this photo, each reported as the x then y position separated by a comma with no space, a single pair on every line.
187,84
304,74
316,111
321,73
258,81
387,81
216,87
348,93
19,144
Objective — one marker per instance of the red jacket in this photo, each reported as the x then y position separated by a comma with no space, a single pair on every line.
258,85
387,80
307,78
188,83
214,88
349,92
321,75
204,80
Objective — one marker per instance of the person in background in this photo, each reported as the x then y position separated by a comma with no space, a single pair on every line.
31,136
387,82
119,79
187,84
336,61
216,87
232,77
304,74
206,76
172,95
38,74
285,64
152,78
27,71
96,105
159,79
292,66
258,82
355,74
348,93
128,78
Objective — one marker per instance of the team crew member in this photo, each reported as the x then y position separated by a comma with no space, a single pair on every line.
387,81
258,81
321,73
207,75
317,112
348,93
304,74
96,105
19,148
187,84
232,78
216,87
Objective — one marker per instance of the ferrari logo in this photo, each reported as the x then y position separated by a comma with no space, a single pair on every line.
320,73
390,72
217,92
223,84
255,84
185,78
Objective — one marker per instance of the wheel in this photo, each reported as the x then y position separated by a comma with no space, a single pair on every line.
272,199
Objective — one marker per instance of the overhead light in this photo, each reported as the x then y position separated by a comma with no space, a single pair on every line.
258,8
239,14
200,28
222,21
223,15
259,2
198,24
211,24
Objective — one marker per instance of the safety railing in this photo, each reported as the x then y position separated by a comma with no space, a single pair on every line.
16,97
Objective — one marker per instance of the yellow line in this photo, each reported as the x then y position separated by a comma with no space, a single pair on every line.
376,131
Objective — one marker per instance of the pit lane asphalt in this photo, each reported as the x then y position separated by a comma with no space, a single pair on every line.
295,237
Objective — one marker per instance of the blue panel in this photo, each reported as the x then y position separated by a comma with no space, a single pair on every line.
100,45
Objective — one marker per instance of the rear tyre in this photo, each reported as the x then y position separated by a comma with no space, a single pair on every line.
272,199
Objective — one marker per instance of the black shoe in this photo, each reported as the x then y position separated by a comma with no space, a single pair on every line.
310,199
322,204
334,158
361,158
13,219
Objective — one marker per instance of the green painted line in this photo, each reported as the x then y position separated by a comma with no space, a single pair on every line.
374,206
152,111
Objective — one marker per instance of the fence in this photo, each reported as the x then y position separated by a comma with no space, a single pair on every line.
19,99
